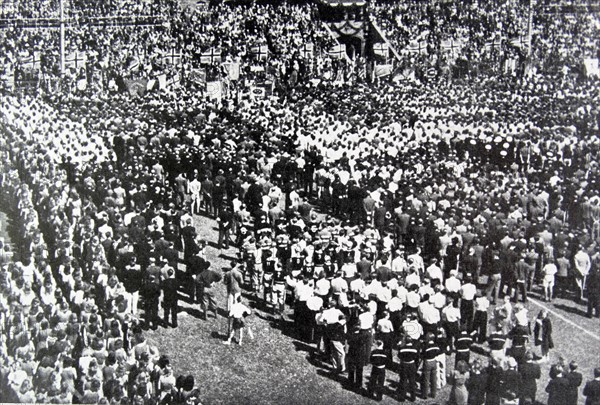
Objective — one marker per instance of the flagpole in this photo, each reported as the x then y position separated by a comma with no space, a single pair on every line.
529,27
62,38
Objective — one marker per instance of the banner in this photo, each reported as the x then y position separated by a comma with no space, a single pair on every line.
136,87
382,70
258,92
232,69
210,57
591,67
214,90
337,51
349,28
198,76
261,52
76,60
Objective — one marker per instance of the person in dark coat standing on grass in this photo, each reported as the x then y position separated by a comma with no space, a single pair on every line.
593,289
476,384
358,357
379,361
591,391
206,281
170,297
530,372
558,388
150,292
575,379
493,388
543,334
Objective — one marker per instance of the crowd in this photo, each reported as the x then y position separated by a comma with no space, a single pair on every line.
398,220
488,35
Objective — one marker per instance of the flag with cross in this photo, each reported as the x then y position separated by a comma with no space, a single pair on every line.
31,62
75,60
451,46
211,56
308,51
173,57
260,52
381,49
417,47
337,51
494,45
520,41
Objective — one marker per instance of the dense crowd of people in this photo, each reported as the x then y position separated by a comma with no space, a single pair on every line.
405,223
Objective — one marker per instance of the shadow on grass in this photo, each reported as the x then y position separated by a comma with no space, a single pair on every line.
570,309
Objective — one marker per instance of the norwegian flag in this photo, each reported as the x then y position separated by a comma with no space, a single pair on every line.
31,62
522,41
417,47
261,52
337,51
172,58
76,60
452,46
381,49
210,57
308,51
493,45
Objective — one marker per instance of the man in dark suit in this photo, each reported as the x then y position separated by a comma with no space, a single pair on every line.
150,292
170,297
575,379
592,389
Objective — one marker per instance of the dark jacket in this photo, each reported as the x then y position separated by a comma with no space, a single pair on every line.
530,372
558,391
169,287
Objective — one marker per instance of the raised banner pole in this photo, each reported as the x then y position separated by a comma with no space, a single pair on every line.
62,38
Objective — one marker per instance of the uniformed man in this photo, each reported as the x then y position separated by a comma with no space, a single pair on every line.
409,356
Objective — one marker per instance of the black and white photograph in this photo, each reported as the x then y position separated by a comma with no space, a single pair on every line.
300,202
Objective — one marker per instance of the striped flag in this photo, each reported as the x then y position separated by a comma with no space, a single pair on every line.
337,51
8,79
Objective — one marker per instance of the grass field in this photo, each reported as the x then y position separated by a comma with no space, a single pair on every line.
274,368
